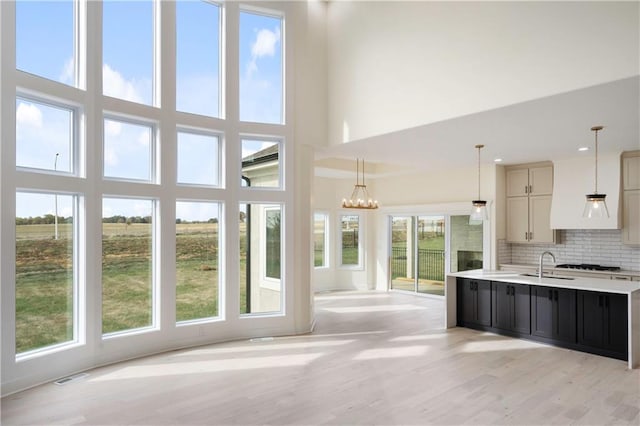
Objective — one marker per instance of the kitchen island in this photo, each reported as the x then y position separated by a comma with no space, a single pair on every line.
564,311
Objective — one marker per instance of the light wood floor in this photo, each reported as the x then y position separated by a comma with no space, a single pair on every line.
374,358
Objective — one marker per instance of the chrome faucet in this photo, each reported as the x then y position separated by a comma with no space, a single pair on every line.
540,261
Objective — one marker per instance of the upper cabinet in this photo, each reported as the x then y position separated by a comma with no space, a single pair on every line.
631,198
529,190
530,181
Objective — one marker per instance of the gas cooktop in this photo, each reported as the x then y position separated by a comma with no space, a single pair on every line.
588,267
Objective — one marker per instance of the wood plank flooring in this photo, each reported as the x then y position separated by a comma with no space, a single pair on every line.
374,358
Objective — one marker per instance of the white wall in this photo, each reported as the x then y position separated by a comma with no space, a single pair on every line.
388,57
448,191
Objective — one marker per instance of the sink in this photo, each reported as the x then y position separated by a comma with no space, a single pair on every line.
548,276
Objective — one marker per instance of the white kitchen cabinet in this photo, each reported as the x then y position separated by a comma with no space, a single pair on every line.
527,181
529,189
631,198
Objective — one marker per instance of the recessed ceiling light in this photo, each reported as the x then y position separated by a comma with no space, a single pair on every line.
498,160
583,148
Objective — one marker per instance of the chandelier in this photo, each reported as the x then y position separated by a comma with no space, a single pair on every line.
360,198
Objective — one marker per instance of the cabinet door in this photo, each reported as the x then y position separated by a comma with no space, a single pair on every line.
590,318
521,310
483,303
465,301
541,180
540,220
542,311
564,315
631,217
518,219
631,172
616,338
517,182
502,306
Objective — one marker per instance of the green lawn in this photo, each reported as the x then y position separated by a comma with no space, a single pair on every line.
44,280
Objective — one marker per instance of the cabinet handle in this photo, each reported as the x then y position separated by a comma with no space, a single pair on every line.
530,189
526,189
530,236
526,236
550,294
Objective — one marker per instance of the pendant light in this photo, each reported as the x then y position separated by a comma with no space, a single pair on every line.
479,210
360,198
596,206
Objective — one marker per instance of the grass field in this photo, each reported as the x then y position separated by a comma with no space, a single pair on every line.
44,279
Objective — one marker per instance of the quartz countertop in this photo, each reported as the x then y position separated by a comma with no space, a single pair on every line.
577,283
559,271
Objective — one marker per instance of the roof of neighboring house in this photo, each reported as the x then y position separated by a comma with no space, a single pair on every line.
264,156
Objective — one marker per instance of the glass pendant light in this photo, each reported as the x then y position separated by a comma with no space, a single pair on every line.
596,206
479,207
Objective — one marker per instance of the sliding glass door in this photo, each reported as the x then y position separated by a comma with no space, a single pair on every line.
424,248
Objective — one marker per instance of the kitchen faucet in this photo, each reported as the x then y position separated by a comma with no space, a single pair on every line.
540,261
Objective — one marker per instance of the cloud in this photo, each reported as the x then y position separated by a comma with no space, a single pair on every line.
264,45
68,72
110,157
143,137
117,86
112,128
29,115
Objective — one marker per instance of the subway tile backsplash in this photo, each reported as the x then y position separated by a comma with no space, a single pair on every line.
600,246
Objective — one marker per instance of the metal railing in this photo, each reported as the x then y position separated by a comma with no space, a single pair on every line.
430,263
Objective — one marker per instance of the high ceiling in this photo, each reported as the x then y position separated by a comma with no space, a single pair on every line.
544,129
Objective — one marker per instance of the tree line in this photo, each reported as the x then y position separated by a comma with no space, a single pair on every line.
49,219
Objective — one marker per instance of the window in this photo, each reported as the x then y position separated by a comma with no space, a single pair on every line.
350,240
198,58
197,260
128,150
261,163
260,260
320,233
198,159
45,39
127,264
272,243
45,270
44,136
128,50
261,70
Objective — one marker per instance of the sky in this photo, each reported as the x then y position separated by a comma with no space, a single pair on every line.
45,47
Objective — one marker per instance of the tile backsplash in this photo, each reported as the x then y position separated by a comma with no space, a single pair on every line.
600,246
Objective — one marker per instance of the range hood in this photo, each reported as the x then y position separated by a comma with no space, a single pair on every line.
573,179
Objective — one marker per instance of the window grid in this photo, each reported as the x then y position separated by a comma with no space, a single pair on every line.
91,131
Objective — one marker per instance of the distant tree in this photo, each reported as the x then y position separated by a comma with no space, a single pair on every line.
243,217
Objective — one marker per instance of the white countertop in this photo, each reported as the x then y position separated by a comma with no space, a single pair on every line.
578,283
559,271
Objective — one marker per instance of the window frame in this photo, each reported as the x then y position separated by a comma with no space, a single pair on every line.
360,265
325,249
153,147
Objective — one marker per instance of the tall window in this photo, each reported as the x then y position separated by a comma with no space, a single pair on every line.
320,223
260,258
45,39
128,50
198,57
45,136
45,270
261,68
261,163
127,264
111,174
197,260
198,159
350,240
128,150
